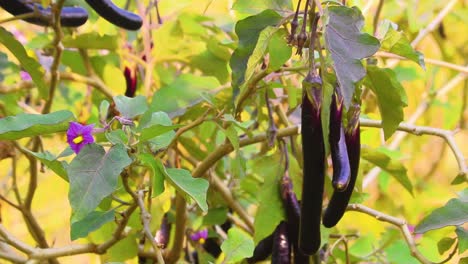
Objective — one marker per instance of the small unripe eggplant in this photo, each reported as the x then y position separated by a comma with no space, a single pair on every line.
163,234
339,152
339,200
115,15
263,249
314,166
131,81
69,17
281,252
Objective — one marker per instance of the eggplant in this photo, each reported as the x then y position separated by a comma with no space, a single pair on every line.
263,249
131,81
339,200
314,166
281,252
163,234
115,15
339,152
69,17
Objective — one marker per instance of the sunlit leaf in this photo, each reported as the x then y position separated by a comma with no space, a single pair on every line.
462,235
398,252
249,7
30,125
93,175
92,40
445,244
196,188
157,170
237,246
91,222
279,50
455,212
348,45
130,107
51,162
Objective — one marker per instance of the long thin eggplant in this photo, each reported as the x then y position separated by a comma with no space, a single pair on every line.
339,152
263,249
281,252
115,15
69,17
314,166
339,200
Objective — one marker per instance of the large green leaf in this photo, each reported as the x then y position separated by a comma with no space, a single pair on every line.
348,45
386,163
455,212
398,252
254,7
391,97
130,107
91,222
237,246
51,162
157,128
196,188
462,235
30,125
29,64
270,210
93,175
279,50
92,40
158,173
396,42
248,30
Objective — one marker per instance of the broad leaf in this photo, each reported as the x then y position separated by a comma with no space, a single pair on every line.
386,163
231,134
215,216
30,125
445,244
455,212
248,30
130,107
29,64
157,172
93,175
196,188
348,45
91,40
279,50
462,235
270,210
51,162
157,128
396,42
398,252
91,222
237,246
391,97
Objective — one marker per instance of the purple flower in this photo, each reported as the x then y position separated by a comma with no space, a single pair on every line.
25,76
200,236
79,135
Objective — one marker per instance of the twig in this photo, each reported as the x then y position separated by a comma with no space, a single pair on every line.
11,256
181,219
145,219
400,223
15,242
377,15
459,68
434,24
147,45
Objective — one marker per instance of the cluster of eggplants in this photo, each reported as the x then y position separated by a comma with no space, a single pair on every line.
74,16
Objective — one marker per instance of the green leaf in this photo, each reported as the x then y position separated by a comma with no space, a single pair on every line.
462,235
103,110
398,252
391,97
396,42
117,136
126,248
215,216
237,246
30,125
463,195
211,65
279,50
130,107
156,130
93,175
248,30
92,40
51,162
461,178
254,7
196,188
270,210
91,222
455,212
348,45
386,163
231,134
445,244
158,173
154,123
29,64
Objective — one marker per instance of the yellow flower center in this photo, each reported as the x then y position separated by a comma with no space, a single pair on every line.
202,241
78,139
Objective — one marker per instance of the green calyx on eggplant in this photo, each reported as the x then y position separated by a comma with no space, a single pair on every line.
69,17
115,15
314,165
339,200
338,149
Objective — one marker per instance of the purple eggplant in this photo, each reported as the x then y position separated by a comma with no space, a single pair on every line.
69,17
162,235
281,252
115,15
263,249
314,166
339,200
339,152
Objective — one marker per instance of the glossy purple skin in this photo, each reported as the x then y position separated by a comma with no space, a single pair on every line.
339,200
262,250
76,130
115,15
281,252
162,235
131,81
